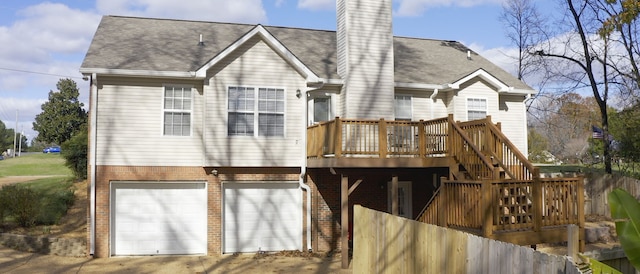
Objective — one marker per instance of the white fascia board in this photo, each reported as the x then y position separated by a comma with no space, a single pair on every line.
522,91
487,77
421,86
321,82
272,42
144,73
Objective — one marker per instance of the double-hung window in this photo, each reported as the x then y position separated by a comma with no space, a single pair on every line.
177,108
256,111
476,108
402,107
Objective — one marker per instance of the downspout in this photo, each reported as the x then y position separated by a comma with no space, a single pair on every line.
432,97
93,108
303,166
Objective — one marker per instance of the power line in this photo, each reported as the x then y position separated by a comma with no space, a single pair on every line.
43,73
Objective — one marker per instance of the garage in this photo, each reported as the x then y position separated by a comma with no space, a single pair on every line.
262,216
158,218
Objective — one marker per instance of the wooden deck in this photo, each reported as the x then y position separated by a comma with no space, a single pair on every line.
519,212
492,189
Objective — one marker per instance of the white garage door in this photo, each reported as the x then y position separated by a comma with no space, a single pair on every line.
264,216
158,218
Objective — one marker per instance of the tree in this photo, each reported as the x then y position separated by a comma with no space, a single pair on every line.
74,151
525,29
588,56
6,137
538,147
62,116
625,126
565,120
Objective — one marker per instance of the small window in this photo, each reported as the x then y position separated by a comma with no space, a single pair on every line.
177,111
476,108
402,107
246,117
321,109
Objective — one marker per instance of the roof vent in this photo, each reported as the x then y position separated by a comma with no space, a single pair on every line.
468,54
200,43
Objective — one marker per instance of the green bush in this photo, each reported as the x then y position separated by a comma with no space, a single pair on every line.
22,203
74,152
55,206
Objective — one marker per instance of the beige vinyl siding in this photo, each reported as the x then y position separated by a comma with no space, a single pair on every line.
368,72
255,64
130,125
475,89
512,114
506,109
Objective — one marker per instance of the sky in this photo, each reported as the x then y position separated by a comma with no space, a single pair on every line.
44,41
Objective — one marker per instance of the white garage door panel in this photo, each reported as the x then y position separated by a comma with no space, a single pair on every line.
262,216
159,218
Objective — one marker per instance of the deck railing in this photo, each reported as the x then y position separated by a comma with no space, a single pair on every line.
508,207
377,138
490,139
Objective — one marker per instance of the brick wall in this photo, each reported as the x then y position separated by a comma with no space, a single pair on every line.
371,193
107,174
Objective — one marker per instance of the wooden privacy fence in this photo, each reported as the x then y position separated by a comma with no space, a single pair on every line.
384,243
598,187
519,212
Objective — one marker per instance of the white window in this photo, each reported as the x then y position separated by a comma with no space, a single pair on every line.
402,107
177,111
321,109
246,117
476,108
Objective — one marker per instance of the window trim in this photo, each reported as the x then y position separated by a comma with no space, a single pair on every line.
466,101
163,110
256,111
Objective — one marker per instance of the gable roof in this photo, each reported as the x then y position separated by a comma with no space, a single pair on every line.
164,47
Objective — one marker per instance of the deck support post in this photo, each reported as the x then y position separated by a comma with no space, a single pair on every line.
537,201
394,195
344,220
487,209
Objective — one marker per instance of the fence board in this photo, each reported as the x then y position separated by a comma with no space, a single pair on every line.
384,243
598,186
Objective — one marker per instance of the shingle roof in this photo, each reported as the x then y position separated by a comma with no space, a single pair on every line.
132,43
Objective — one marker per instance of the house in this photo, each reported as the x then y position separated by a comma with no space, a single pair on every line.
211,138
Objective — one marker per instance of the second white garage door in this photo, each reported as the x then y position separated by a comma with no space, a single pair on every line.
262,216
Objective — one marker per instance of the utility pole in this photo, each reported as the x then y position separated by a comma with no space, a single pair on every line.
20,142
14,135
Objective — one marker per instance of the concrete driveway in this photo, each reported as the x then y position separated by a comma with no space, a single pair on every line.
12,261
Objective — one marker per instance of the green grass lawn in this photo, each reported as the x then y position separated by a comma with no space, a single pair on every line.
34,165
53,195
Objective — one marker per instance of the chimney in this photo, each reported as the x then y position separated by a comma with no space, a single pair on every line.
365,58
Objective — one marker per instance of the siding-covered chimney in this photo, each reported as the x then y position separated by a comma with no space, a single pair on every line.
365,58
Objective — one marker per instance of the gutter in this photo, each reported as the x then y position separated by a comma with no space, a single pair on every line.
93,108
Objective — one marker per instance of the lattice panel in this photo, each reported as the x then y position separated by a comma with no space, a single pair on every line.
514,208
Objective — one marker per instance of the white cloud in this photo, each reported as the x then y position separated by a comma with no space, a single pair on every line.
245,11
417,7
318,4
